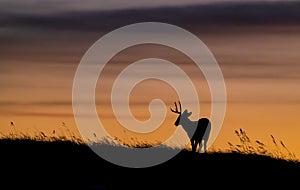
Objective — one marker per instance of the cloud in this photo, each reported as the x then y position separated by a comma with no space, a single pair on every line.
221,13
20,32
55,6
37,103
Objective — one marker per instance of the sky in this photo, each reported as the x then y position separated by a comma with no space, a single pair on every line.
256,45
54,6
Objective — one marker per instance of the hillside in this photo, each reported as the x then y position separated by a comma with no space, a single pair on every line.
64,164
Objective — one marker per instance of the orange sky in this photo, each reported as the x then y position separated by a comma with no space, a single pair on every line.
260,64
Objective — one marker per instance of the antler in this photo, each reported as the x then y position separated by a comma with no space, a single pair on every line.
176,108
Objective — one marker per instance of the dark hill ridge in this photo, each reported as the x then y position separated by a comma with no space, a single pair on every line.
62,164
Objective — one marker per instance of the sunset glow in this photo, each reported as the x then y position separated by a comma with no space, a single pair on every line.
259,61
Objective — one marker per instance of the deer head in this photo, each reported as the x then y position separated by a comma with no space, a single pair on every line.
177,112
185,113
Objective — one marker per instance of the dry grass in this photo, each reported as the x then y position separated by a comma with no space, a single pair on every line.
248,146
41,136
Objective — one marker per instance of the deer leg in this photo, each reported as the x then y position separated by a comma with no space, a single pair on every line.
204,146
198,143
193,145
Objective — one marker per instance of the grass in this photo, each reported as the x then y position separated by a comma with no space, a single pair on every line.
256,147
67,162
246,145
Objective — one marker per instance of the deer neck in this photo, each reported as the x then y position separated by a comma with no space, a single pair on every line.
188,125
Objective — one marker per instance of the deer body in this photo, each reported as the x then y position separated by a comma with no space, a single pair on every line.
197,131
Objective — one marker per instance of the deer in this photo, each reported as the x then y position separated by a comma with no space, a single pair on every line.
197,131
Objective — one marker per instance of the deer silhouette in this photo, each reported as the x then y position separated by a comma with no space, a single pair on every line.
198,136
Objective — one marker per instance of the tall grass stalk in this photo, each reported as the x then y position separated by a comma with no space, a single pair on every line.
248,146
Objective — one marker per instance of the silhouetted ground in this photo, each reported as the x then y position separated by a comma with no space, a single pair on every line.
57,165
